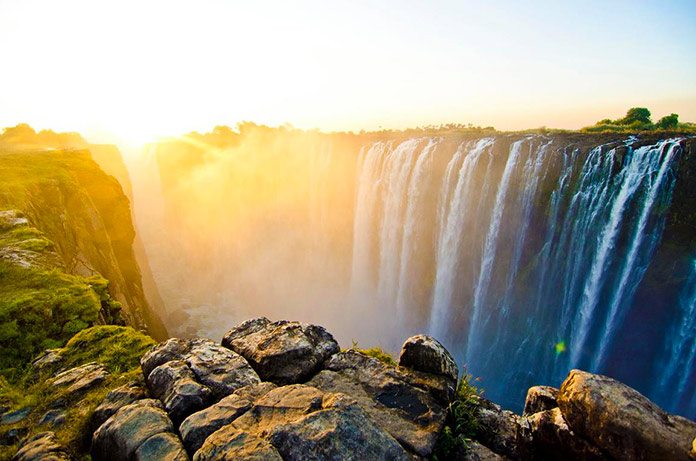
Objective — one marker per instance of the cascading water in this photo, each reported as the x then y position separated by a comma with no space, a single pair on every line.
535,251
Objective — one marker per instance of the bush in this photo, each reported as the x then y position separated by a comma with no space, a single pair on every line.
461,424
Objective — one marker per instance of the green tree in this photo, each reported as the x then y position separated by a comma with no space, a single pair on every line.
636,114
667,122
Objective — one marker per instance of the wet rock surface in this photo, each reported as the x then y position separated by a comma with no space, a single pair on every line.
621,421
282,352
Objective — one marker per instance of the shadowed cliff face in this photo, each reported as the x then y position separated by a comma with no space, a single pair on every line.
527,254
86,214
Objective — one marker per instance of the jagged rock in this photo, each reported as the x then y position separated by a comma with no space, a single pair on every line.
115,400
553,439
171,349
47,358
233,445
174,384
53,417
124,432
164,446
540,398
197,427
13,417
409,414
503,431
80,379
43,446
363,368
425,353
476,452
341,430
282,352
218,368
621,421
303,422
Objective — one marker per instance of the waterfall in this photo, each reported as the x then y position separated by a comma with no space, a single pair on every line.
536,250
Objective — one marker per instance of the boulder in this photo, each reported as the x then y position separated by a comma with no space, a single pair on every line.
231,444
174,384
14,417
218,368
540,398
43,446
80,379
425,353
53,418
46,359
124,432
341,430
164,446
621,421
553,439
503,431
282,352
115,400
197,427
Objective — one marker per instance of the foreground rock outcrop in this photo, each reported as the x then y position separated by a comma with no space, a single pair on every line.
203,401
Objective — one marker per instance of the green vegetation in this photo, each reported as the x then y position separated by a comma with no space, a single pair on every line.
639,119
375,353
117,348
461,424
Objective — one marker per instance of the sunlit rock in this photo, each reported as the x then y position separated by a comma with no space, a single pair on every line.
43,446
282,352
553,439
621,421
540,398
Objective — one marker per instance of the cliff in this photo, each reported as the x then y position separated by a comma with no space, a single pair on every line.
86,215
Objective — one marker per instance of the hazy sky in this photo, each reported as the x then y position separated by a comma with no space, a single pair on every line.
147,68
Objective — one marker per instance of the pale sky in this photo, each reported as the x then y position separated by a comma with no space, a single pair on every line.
135,70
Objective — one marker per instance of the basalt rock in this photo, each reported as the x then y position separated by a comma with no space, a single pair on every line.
14,417
164,446
218,368
425,353
540,398
43,446
282,352
233,444
174,384
474,451
553,439
621,421
117,399
302,422
126,431
503,431
80,379
197,427
410,414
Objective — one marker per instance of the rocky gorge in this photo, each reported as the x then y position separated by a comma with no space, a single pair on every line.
286,390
